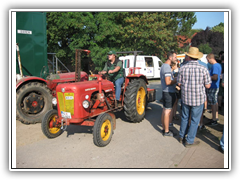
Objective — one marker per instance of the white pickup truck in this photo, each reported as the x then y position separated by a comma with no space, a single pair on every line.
149,66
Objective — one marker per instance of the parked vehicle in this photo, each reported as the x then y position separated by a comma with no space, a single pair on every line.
149,66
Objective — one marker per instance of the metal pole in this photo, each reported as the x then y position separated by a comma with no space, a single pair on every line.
56,65
62,64
53,64
77,65
135,56
19,61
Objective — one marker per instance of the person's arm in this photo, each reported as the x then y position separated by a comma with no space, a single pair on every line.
169,81
104,71
168,75
115,70
207,79
215,72
214,77
207,86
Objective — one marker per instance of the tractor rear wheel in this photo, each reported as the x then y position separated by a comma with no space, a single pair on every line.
135,100
49,127
103,130
33,100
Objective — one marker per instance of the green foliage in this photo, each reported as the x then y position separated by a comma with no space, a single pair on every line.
154,33
212,39
218,28
205,48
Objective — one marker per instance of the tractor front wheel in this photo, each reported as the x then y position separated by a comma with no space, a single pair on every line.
103,130
49,125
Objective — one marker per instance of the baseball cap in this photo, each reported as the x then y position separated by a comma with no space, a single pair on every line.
112,52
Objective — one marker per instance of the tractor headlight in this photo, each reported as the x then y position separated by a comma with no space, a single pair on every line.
54,101
86,104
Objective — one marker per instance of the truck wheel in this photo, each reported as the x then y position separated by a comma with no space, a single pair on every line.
103,130
48,128
33,100
135,100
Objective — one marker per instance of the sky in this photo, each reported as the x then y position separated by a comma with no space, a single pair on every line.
208,19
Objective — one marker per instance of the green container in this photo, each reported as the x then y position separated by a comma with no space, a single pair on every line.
31,35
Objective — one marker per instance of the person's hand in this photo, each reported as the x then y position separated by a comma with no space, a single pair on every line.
102,72
110,72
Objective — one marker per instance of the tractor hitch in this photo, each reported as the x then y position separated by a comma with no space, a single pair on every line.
64,124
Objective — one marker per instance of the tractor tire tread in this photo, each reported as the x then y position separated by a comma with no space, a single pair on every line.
22,91
130,110
44,125
96,130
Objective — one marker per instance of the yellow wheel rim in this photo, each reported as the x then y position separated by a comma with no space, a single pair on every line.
106,130
53,130
140,100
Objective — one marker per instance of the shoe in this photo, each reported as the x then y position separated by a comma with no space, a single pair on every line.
212,123
202,127
170,124
169,134
119,104
195,143
180,140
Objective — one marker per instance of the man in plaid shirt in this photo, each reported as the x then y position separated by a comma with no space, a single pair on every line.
193,79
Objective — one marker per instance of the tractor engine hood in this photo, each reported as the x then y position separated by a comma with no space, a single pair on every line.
71,96
86,87
67,76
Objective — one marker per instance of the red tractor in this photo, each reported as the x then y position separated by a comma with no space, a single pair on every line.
92,103
35,95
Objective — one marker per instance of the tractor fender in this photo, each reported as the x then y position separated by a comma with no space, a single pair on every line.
27,79
129,77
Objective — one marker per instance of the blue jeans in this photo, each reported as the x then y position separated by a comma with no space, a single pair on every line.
222,142
118,85
191,131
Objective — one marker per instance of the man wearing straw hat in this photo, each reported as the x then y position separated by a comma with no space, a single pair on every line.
193,79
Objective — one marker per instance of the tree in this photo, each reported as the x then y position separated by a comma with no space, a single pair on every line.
205,48
154,33
67,31
219,28
214,39
150,32
185,21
